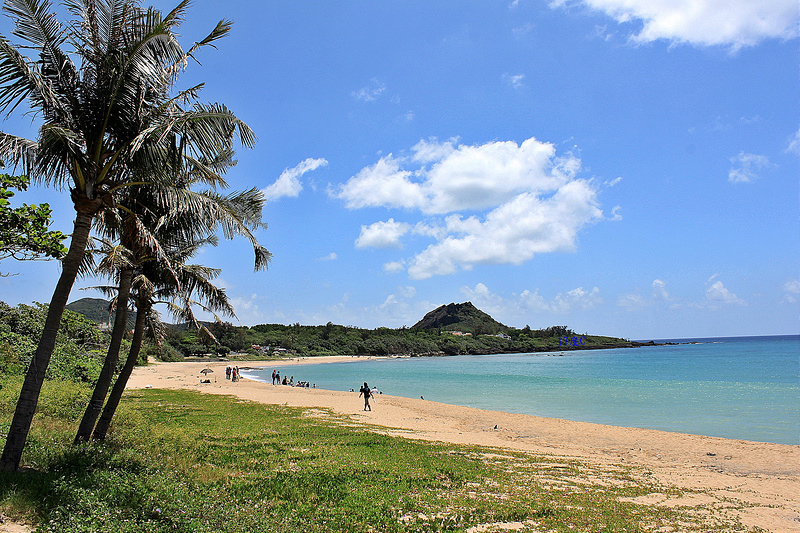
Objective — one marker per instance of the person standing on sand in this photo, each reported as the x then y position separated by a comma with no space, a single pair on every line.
366,392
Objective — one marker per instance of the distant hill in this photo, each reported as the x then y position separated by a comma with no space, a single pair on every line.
96,310
460,317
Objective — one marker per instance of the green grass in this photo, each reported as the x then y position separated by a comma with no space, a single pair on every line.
186,462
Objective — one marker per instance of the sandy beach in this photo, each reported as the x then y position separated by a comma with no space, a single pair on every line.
757,482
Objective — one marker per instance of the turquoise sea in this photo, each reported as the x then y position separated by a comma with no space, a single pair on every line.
734,387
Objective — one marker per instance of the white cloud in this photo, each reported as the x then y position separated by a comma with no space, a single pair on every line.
517,81
526,201
660,290
631,301
382,234
288,184
454,178
394,267
512,233
383,184
523,31
330,257
717,293
432,150
793,147
401,294
732,23
791,290
578,298
247,310
531,301
483,298
746,166
371,92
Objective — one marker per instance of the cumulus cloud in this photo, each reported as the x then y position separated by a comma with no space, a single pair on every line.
524,200
730,23
483,298
383,184
746,167
717,293
660,290
330,257
382,234
288,183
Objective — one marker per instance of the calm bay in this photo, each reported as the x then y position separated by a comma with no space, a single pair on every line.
733,387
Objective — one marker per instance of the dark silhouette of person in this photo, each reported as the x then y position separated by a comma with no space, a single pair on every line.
366,393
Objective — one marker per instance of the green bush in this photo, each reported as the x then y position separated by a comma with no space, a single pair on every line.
162,352
79,351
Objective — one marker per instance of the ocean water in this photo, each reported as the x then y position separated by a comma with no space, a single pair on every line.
734,387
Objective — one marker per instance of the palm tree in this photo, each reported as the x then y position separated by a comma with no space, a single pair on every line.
108,120
171,220
174,283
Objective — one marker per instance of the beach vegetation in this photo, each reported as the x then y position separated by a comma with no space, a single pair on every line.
183,461
78,351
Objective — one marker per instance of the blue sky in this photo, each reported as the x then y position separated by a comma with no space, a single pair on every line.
627,168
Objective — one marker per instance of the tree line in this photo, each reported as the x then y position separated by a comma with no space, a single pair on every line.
333,339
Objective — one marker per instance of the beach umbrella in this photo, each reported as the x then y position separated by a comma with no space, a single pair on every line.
206,371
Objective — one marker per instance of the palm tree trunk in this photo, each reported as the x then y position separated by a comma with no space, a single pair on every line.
112,358
32,386
114,398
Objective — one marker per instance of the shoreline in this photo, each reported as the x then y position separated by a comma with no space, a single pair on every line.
765,477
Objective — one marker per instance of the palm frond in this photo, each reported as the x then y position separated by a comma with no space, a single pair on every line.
37,24
19,152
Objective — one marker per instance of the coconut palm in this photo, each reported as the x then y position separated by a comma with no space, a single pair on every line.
179,285
175,214
102,86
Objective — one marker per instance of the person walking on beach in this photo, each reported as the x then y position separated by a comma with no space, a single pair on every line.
274,372
367,393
